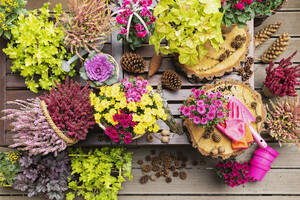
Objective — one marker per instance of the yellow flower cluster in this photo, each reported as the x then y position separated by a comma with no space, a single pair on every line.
14,156
112,99
9,3
8,6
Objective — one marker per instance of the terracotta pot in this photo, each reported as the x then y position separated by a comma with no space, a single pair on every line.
258,20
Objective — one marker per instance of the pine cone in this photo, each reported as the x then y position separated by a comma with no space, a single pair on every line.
216,137
133,63
171,80
265,33
276,49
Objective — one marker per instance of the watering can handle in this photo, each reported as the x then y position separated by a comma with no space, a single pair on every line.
260,141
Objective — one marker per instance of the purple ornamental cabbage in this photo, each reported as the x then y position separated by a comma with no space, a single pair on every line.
98,68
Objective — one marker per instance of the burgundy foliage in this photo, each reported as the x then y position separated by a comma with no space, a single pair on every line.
70,109
281,80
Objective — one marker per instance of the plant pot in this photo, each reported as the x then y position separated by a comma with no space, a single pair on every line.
263,153
267,92
262,164
257,173
259,19
261,160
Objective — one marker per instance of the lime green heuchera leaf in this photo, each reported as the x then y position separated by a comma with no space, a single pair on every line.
187,26
37,49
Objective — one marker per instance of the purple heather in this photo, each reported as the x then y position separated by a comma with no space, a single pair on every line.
98,68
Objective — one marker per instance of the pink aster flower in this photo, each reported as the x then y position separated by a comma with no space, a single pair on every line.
204,121
201,110
192,107
220,114
127,140
196,94
200,103
197,120
219,94
211,115
249,2
202,92
186,111
218,103
139,27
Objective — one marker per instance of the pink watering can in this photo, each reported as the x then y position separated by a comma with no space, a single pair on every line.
264,156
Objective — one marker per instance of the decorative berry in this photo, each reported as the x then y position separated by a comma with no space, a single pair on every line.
133,63
171,80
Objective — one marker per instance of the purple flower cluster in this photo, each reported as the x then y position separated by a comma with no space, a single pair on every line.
122,131
134,89
98,68
144,12
205,108
233,173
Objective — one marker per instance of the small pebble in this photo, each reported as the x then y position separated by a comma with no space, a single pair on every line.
165,132
153,177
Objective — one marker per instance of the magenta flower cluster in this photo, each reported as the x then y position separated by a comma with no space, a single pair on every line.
233,173
122,132
134,89
205,108
144,12
240,5
98,68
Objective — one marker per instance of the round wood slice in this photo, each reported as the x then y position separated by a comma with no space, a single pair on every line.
210,65
247,96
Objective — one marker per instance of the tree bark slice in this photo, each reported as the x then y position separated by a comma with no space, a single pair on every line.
247,96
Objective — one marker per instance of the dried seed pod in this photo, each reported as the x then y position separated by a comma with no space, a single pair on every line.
221,149
216,137
165,139
265,33
155,161
155,168
253,105
172,168
165,132
148,158
150,138
238,42
146,168
133,63
175,174
168,179
276,49
144,179
258,119
140,162
171,80
155,64
157,174
182,175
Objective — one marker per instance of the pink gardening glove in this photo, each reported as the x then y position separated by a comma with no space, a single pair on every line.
235,129
234,124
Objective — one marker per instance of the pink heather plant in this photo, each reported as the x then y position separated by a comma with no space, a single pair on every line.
205,108
33,132
233,173
122,132
134,89
136,21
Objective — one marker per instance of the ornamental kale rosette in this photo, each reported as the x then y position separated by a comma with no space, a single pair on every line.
128,110
205,109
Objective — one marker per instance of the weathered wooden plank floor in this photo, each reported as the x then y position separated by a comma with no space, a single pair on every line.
281,183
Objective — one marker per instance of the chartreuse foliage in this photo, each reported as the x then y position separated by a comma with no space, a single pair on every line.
9,167
187,26
37,49
92,173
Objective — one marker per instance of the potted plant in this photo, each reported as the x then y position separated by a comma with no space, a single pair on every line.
9,12
283,120
41,67
50,123
99,69
187,26
98,173
9,167
136,21
265,9
282,80
127,110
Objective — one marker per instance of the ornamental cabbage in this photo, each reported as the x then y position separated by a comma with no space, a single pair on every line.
187,26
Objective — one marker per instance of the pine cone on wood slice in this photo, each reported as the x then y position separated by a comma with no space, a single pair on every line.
133,63
171,80
265,33
276,49
155,64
